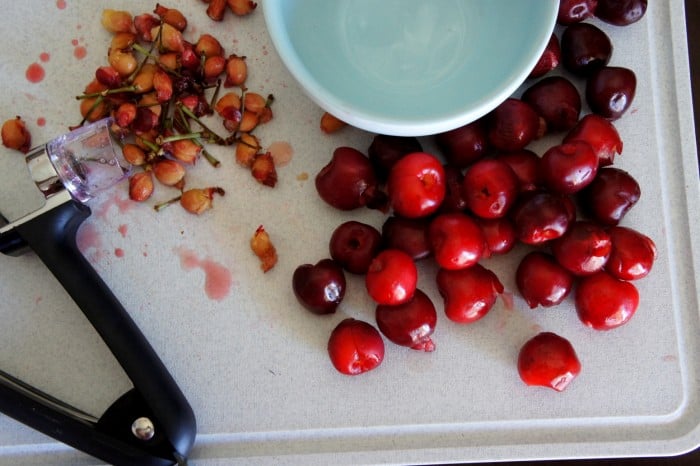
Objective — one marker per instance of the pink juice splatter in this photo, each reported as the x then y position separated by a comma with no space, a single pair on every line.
79,52
217,278
123,228
61,4
35,73
281,152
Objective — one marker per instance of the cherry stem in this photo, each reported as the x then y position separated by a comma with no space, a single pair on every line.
207,155
163,205
217,139
107,92
180,137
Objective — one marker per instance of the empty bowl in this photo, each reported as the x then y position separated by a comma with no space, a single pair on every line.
409,67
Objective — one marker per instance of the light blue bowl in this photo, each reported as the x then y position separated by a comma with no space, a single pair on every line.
409,67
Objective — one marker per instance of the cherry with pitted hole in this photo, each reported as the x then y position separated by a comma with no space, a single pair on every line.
354,244
584,48
568,168
548,360
416,185
490,187
355,347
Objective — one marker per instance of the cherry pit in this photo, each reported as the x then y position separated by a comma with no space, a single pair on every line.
485,192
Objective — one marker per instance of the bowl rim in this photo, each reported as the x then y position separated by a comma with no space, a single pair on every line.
371,122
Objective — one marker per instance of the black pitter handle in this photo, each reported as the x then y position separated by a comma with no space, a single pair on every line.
52,236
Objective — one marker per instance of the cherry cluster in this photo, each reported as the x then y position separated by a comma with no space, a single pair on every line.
485,194
159,88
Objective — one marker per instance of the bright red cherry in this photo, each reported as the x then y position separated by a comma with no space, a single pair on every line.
633,254
409,324
469,294
392,277
570,167
603,302
499,234
490,188
355,347
548,360
600,134
584,249
456,240
416,185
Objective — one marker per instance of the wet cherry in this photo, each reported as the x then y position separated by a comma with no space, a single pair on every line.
407,234
468,294
584,249
633,254
569,167
409,324
600,134
610,91
490,188
416,185
392,277
354,244
542,281
321,287
584,48
355,347
548,360
610,196
456,240
604,302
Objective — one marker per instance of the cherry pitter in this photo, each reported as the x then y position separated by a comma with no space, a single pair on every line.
150,424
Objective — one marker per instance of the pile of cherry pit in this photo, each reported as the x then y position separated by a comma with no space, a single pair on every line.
486,194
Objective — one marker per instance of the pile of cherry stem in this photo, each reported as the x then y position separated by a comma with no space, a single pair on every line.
160,90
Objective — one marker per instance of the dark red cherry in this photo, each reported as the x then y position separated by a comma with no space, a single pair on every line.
610,196
610,91
526,166
540,216
584,48
490,188
633,254
463,145
410,235
569,167
549,59
621,12
604,302
575,11
600,134
542,281
385,151
321,287
513,125
348,180
409,324
556,100
354,244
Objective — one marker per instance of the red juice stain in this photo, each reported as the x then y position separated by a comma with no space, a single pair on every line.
119,252
217,278
74,42
79,52
61,4
507,298
123,229
45,56
282,152
35,73
122,204
41,121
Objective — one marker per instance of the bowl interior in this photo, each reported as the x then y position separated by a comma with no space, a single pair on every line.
409,67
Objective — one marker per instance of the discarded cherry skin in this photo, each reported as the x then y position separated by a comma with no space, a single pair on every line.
610,91
584,249
556,100
463,145
355,347
549,59
600,134
416,185
385,150
407,234
469,294
541,216
499,234
633,254
610,196
621,12
604,302
321,287
456,240
513,125
584,48
348,180
354,244
409,324
542,281
548,360
490,188
569,167
526,166
391,278
575,11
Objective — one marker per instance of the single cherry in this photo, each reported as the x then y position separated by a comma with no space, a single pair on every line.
555,99
499,234
407,234
354,244
610,91
633,254
348,180
604,302
469,294
575,11
490,188
409,324
569,167
416,185
584,249
540,216
355,347
392,277
610,196
542,281
548,360
621,12
321,287
513,125
600,134
584,48
463,145
456,240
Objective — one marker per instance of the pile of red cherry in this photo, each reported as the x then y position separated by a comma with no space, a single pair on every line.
486,194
